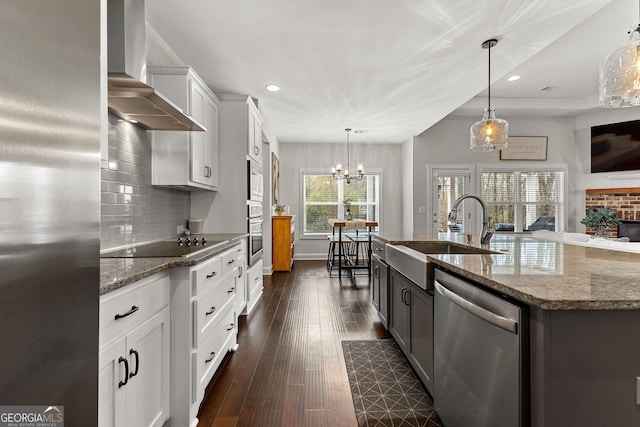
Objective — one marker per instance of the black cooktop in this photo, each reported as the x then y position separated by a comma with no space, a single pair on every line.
167,248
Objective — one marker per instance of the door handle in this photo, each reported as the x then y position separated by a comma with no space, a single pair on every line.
134,308
209,276
489,316
230,327
210,312
240,269
126,371
231,290
135,353
211,357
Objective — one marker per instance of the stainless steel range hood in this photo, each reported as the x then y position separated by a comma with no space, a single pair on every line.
130,98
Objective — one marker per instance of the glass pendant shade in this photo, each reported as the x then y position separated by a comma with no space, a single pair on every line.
490,133
620,75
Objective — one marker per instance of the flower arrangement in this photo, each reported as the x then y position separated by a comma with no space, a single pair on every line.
601,220
279,209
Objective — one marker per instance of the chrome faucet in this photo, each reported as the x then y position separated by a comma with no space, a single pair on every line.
487,221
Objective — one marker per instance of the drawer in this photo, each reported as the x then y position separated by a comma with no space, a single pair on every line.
208,357
129,306
209,307
378,248
206,275
230,258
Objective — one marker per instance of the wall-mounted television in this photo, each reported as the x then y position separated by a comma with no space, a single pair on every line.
615,147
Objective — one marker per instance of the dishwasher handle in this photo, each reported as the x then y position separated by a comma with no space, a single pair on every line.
508,325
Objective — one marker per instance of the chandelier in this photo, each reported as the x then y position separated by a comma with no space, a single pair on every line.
490,133
620,75
338,172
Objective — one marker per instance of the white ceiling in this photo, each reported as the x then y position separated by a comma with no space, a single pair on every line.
395,67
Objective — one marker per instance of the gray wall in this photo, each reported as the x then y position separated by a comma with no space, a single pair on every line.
447,144
384,157
132,210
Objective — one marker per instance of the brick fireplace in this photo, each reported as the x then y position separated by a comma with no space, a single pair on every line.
626,201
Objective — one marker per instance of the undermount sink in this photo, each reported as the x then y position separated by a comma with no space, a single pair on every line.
410,258
445,248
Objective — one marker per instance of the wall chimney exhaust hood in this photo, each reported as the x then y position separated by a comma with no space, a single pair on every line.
130,98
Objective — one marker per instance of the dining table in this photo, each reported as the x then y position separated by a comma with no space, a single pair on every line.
338,225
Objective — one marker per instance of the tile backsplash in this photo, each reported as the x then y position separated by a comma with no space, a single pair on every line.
132,210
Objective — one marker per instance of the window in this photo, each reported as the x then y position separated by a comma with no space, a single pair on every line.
323,198
525,200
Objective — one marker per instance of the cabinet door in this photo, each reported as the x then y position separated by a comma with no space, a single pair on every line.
198,101
112,373
148,387
254,140
241,285
375,286
399,316
421,334
383,309
210,147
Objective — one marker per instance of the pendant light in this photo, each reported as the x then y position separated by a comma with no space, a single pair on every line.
490,133
337,170
620,74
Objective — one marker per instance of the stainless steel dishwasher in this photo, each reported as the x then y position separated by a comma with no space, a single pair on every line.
481,364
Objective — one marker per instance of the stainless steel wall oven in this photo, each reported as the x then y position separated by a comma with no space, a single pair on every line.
255,222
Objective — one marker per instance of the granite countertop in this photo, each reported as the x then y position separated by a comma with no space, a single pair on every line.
116,273
547,274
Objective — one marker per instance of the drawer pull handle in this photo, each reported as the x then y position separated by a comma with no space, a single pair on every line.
209,276
231,262
126,372
240,271
230,327
134,308
255,279
212,355
210,311
135,353
231,290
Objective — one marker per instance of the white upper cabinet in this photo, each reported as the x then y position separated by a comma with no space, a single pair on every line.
254,134
187,160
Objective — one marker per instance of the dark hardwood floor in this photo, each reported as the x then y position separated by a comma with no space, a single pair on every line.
289,368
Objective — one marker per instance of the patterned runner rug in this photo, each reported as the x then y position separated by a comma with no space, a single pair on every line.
385,390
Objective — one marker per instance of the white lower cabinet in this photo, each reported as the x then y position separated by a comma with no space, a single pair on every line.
134,385
254,285
203,328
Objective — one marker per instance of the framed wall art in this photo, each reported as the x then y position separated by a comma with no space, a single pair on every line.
275,179
525,148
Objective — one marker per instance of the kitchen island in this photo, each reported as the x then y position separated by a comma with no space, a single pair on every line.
584,323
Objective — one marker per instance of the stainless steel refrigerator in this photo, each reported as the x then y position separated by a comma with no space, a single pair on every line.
50,205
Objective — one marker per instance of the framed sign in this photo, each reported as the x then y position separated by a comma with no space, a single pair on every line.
525,148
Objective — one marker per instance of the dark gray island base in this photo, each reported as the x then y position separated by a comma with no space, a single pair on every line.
584,367
584,323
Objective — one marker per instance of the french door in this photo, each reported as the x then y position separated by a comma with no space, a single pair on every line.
448,185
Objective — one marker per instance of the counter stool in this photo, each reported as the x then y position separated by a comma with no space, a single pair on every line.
360,250
332,255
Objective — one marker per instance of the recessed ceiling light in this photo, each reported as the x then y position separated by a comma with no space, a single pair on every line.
272,87
513,78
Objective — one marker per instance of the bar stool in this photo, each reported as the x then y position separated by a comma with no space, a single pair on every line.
332,255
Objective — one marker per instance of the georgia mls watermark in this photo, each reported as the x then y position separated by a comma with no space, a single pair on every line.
31,416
